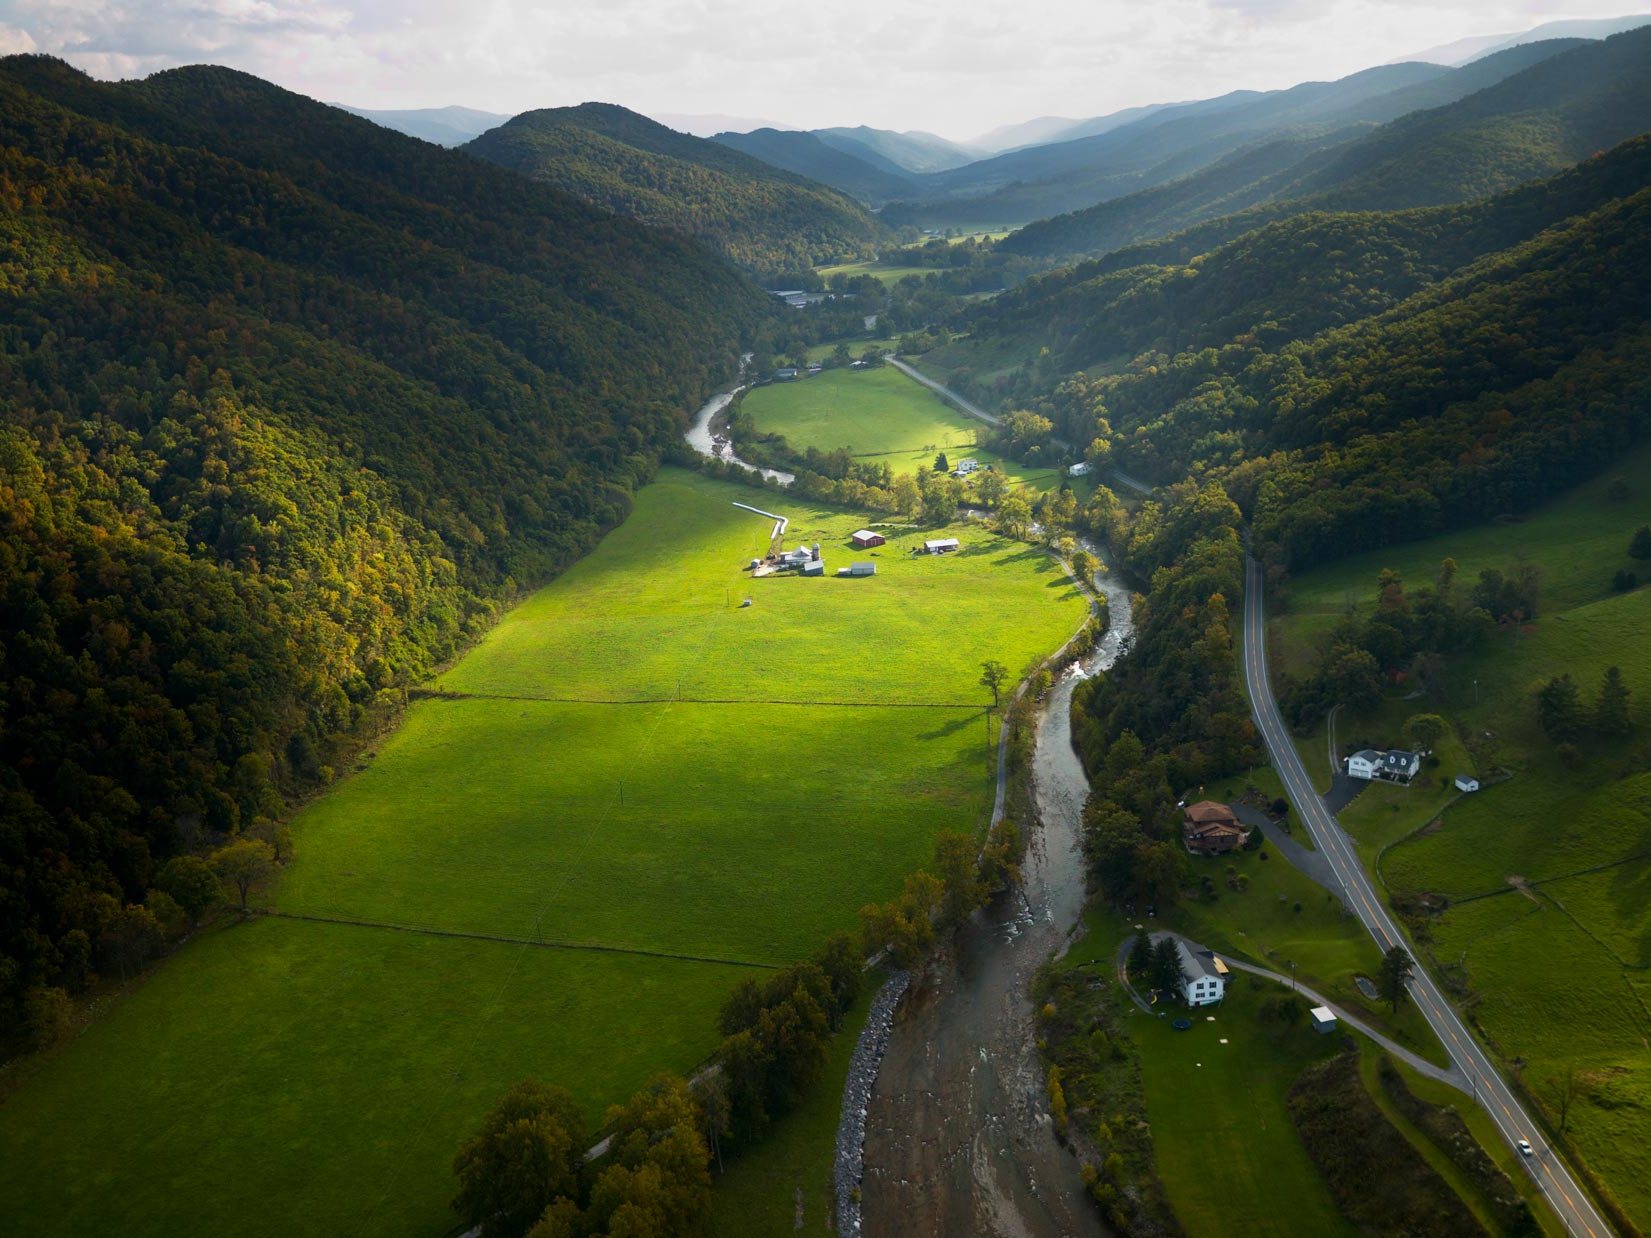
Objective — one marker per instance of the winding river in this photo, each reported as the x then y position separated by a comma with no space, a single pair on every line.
958,1136
707,442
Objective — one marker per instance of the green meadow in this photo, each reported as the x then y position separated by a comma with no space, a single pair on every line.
631,793
1545,873
882,416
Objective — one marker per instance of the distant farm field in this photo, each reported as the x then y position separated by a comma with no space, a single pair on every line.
632,793
882,416
1544,876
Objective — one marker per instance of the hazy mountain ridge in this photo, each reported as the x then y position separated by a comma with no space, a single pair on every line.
1531,111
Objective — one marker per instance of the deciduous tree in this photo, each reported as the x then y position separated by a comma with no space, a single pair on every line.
525,1156
244,864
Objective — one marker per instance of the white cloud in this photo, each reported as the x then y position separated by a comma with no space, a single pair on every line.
954,66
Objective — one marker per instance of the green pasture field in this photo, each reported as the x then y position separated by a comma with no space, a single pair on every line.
305,1075
1557,976
891,274
285,1077
884,417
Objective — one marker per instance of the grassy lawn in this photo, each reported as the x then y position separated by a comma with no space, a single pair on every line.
884,417
289,1076
285,1077
758,1195
1214,1104
1326,944
1545,824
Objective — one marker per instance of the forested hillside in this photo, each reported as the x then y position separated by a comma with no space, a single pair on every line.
1513,117
768,220
1359,378
291,403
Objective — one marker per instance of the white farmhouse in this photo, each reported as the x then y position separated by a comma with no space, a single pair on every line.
1364,764
1395,765
1202,980
1400,764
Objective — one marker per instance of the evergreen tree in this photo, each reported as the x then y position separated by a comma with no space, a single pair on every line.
1140,957
1611,712
1639,546
1559,709
1396,968
1166,966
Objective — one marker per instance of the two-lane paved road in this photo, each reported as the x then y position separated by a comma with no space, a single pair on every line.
1569,1202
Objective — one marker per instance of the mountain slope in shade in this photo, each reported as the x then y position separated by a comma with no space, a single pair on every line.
1167,143
768,220
1301,167
912,151
864,175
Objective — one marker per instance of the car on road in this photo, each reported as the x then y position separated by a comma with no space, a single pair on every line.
1524,1146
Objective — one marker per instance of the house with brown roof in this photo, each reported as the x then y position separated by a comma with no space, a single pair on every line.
1209,828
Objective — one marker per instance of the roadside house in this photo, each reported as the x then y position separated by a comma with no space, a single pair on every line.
1208,828
1395,765
1201,984
1080,469
1363,764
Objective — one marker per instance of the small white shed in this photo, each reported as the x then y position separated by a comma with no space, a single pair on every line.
1466,782
1324,1019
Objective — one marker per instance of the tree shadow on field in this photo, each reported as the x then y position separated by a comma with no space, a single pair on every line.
951,728
1630,889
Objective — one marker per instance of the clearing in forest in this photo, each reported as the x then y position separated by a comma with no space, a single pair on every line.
629,796
883,417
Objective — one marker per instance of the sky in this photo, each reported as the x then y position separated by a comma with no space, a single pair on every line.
954,67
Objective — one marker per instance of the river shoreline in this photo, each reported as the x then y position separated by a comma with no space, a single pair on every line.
958,1138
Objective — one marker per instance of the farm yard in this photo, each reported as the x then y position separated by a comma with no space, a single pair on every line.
1538,882
629,795
883,417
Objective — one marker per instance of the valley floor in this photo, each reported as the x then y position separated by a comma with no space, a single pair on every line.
634,792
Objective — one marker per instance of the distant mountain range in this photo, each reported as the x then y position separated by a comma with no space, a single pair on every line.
1465,51
1522,113
765,218
1165,165
445,126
